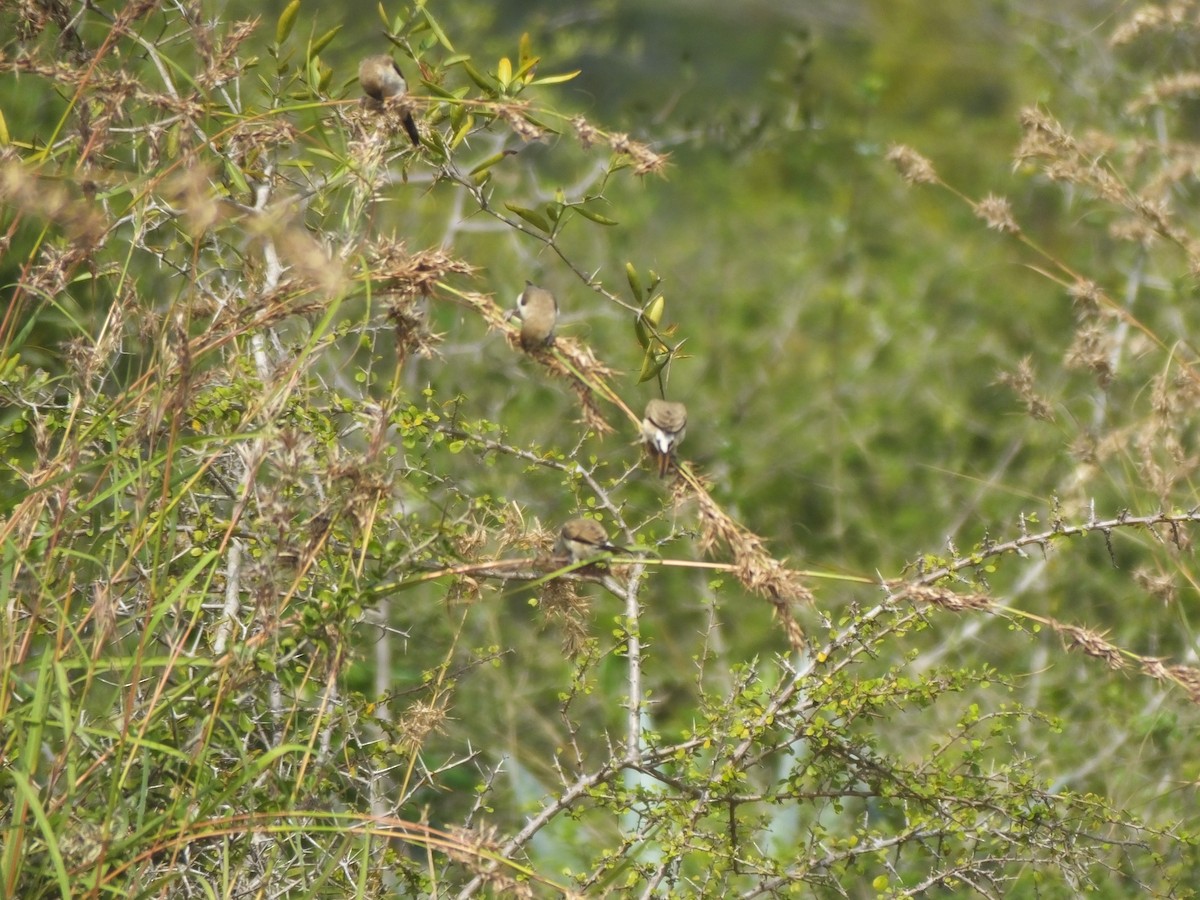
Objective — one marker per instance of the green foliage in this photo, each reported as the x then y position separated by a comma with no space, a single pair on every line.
283,611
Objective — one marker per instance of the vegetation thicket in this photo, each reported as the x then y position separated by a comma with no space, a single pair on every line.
286,611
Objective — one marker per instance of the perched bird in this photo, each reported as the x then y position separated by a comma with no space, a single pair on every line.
538,311
663,427
381,80
581,539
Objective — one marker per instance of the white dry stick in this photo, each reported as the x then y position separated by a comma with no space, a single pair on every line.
229,612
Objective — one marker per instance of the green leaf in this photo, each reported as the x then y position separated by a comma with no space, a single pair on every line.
557,79
654,312
524,68
323,41
438,91
533,217
652,364
479,78
437,29
491,161
287,18
238,179
525,51
639,330
635,281
463,129
594,216
322,153
33,804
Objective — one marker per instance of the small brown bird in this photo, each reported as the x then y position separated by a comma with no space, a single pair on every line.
581,539
538,311
663,427
381,80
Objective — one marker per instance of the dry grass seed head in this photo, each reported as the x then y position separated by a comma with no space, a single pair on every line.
1087,297
755,569
1166,91
912,166
1021,382
1149,18
563,606
190,190
579,358
1092,643
411,328
587,134
1187,678
420,720
478,849
1091,351
248,140
645,161
1133,230
514,115
1159,585
947,599
996,212
221,66
48,200
412,274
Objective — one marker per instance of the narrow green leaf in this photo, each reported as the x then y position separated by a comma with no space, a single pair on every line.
556,79
238,179
313,72
526,65
464,128
491,161
652,364
479,78
323,41
525,51
438,91
437,29
322,153
635,281
594,216
287,19
29,794
639,330
533,217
